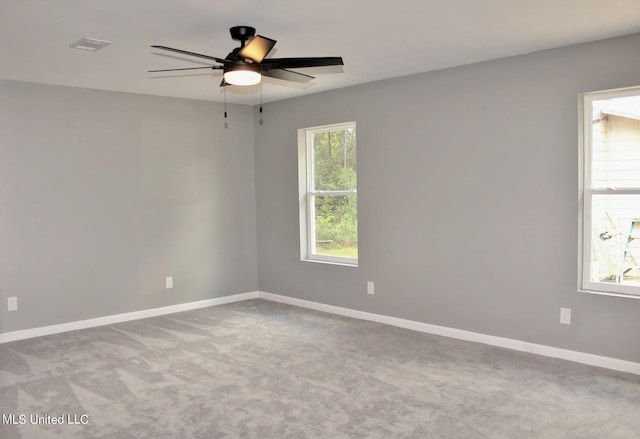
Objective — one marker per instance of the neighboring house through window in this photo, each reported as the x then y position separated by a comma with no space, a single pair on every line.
610,189
328,193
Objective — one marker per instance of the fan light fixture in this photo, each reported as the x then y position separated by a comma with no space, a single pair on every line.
242,74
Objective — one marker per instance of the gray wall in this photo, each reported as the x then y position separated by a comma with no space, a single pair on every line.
104,194
468,198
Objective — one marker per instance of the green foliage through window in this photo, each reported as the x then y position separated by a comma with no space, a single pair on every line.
337,225
334,160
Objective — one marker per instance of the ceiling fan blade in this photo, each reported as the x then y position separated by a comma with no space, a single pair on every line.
288,75
186,68
257,48
199,55
295,63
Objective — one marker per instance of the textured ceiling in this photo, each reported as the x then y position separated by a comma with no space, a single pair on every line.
377,39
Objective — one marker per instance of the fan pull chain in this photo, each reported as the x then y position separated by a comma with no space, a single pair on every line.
260,120
224,90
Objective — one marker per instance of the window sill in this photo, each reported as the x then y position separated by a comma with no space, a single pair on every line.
607,293
343,264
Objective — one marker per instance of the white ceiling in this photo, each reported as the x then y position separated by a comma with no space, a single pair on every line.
377,39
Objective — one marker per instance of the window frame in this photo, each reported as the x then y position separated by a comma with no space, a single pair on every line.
587,193
308,193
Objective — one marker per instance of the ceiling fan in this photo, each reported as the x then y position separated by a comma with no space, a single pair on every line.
245,65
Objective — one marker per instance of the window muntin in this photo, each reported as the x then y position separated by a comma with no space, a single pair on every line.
611,192
328,190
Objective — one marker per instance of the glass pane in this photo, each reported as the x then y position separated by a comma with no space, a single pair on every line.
334,160
336,224
616,143
615,227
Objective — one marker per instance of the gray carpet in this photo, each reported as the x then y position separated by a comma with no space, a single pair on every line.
258,369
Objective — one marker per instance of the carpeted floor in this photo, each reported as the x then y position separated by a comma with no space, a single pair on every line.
259,369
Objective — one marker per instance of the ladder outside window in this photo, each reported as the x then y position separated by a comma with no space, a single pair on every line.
630,250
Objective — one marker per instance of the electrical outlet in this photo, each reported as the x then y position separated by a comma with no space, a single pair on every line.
370,287
565,316
168,282
12,303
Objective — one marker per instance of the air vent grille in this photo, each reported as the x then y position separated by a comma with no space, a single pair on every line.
91,44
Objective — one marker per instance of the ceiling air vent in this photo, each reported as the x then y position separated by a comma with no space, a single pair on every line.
91,44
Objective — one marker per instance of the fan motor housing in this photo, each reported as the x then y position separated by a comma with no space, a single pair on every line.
242,33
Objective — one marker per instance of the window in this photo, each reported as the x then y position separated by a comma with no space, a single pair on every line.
328,193
610,189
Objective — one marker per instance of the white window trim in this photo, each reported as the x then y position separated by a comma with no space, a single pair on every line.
585,193
306,196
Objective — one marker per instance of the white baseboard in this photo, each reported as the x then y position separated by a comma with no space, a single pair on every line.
125,317
509,343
